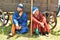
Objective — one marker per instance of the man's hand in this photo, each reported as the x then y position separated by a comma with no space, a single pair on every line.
42,24
18,27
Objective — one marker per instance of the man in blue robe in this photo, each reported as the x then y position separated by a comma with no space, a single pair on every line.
19,20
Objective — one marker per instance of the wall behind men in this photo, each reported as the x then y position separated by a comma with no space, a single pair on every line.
10,5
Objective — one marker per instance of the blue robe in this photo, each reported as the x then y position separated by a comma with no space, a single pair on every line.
21,21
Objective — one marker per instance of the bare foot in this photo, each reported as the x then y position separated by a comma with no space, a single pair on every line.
47,35
10,35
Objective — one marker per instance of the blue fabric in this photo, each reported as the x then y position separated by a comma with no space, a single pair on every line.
58,9
19,6
22,21
15,21
34,8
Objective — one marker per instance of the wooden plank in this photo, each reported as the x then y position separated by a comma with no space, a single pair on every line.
31,18
53,5
48,4
10,5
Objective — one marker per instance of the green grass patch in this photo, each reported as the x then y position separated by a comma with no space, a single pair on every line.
53,35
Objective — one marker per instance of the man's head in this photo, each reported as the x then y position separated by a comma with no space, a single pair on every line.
35,10
19,7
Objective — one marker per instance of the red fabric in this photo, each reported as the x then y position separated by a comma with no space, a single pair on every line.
40,18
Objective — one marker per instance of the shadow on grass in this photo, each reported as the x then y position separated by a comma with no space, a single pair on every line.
6,29
56,33
26,35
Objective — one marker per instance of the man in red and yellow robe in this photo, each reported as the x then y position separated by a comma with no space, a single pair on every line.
39,21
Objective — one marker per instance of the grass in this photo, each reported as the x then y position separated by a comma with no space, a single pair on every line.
53,35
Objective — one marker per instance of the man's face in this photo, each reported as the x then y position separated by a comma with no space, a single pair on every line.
37,12
19,9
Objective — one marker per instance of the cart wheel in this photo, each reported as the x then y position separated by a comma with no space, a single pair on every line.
1,23
4,17
51,19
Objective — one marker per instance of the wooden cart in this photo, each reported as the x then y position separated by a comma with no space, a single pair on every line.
9,6
47,7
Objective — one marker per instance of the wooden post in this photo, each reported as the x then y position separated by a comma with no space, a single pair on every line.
31,18
48,4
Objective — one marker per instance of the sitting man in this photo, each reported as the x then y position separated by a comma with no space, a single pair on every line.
39,24
19,20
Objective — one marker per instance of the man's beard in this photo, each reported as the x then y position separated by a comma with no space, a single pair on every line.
19,11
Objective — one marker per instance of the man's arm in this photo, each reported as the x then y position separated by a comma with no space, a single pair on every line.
43,18
41,23
34,19
14,19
